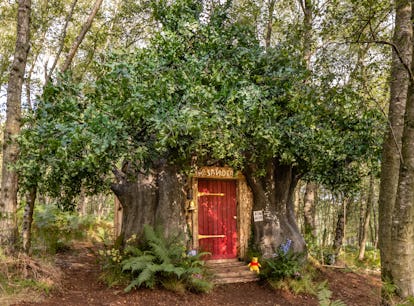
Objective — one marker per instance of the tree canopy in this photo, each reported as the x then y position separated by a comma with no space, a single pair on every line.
205,88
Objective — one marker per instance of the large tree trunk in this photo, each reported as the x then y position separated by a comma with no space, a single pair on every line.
391,156
402,234
156,198
273,196
390,164
8,197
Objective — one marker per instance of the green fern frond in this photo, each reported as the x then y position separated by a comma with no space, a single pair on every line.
199,285
324,296
132,285
146,277
151,236
161,252
137,263
132,250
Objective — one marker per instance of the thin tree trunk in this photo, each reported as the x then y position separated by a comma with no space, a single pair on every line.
269,26
28,219
8,197
376,226
297,205
367,218
81,36
307,8
340,228
390,165
309,210
62,40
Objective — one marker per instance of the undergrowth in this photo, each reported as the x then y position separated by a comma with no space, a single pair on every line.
54,230
21,273
156,261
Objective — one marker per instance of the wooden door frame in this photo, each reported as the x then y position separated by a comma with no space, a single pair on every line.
244,204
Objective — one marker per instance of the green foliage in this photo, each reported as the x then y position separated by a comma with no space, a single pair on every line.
285,264
110,262
324,296
54,229
298,285
389,289
163,261
198,88
408,301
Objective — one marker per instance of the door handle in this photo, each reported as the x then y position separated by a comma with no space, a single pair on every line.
210,236
200,194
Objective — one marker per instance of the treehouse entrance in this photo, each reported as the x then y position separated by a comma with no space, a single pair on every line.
217,218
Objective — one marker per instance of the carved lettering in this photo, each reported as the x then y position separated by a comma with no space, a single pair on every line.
215,172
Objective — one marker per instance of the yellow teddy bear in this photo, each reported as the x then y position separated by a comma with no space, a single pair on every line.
254,265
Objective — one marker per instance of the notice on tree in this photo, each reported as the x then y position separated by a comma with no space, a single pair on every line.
258,215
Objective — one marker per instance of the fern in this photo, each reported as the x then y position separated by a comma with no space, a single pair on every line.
163,261
137,263
146,277
324,296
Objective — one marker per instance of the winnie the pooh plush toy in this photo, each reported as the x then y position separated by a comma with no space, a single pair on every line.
254,265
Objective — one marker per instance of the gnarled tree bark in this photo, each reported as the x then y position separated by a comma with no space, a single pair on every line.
155,198
273,195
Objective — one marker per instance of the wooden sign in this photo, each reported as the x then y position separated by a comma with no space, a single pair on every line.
215,172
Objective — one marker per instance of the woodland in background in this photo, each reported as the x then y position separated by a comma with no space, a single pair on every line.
81,53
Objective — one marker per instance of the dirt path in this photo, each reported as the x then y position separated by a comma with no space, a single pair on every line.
81,287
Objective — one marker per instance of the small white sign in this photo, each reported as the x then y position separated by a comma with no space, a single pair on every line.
258,215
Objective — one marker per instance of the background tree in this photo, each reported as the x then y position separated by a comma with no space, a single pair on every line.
8,197
392,166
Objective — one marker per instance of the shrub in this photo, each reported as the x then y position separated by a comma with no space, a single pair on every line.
284,264
54,229
163,261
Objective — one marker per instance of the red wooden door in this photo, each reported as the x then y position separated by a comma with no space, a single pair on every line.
217,218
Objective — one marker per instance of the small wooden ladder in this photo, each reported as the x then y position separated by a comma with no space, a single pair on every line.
227,271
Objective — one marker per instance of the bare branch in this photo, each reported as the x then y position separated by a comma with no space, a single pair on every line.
81,35
62,40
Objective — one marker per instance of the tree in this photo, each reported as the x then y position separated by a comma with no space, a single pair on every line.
199,93
393,160
366,219
8,198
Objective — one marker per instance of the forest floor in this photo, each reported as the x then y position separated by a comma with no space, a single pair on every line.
80,285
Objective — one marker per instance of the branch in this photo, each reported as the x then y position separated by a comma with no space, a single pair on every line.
81,36
62,40
119,175
397,51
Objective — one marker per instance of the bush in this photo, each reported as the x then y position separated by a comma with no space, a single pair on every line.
284,264
54,229
163,261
